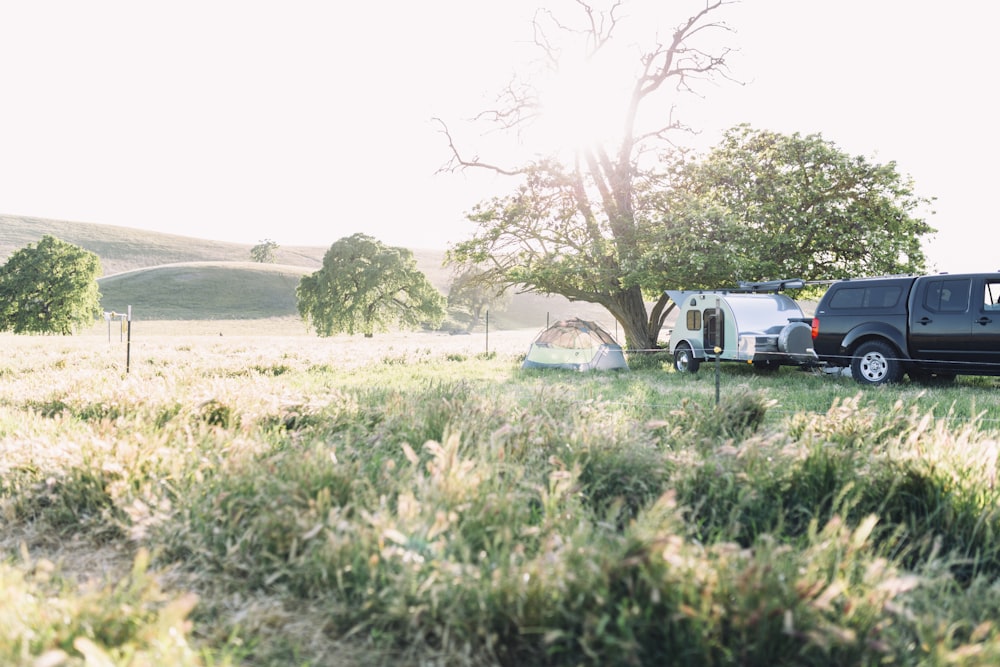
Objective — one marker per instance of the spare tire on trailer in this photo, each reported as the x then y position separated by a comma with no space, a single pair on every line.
795,340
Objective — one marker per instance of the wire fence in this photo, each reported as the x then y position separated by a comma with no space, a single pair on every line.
988,367
845,360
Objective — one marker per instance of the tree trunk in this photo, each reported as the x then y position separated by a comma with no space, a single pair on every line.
630,311
658,315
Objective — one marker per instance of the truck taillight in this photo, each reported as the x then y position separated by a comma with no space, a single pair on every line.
815,328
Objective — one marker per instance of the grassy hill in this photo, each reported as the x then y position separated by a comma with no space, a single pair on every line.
172,277
126,249
205,290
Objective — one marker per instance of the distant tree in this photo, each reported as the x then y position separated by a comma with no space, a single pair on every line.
50,287
473,292
263,252
367,287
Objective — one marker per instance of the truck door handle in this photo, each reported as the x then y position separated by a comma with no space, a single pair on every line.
984,320
924,320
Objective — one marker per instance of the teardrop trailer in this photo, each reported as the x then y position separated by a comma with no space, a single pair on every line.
754,323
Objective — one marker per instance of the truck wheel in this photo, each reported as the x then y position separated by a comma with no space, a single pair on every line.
684,360
876,362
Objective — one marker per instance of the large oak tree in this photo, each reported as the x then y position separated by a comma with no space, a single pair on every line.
617,223
571,226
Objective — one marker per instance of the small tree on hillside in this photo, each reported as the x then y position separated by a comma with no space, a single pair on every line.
50,287
365,287
263,252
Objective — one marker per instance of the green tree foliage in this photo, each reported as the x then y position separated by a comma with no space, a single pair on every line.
366,287
763,205
264,251
50,287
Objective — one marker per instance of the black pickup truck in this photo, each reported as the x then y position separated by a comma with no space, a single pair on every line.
929,327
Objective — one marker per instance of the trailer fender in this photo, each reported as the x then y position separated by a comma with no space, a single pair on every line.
697,349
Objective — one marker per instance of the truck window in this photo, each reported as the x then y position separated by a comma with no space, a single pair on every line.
991,295
950,295
882,296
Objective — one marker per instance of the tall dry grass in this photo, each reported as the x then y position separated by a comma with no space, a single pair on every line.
281,499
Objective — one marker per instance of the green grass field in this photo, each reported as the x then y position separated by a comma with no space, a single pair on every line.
218,486
266,497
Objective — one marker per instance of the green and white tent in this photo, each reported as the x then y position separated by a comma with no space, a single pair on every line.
575,344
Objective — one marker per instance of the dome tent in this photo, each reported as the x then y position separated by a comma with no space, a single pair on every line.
577,345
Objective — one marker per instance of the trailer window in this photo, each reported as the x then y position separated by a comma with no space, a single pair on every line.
694,320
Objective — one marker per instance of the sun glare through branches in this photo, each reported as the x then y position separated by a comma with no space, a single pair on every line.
582,104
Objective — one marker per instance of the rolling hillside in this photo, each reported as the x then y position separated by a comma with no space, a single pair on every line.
126,249
205,290
170,277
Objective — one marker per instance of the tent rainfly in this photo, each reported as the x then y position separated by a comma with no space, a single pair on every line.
577,345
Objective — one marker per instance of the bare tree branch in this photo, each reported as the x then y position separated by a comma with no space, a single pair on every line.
457,162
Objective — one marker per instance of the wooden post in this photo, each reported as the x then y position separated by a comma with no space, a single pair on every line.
128,344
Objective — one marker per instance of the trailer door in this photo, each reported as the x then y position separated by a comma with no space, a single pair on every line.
713,329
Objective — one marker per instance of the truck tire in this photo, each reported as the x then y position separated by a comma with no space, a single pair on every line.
876,362
684,359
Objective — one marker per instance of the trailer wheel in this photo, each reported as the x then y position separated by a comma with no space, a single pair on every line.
876,362
684,359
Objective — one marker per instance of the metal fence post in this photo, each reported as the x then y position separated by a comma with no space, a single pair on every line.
718,348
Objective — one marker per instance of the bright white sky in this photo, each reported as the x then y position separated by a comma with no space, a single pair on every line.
307,121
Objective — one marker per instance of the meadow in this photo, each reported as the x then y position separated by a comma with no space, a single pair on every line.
249,494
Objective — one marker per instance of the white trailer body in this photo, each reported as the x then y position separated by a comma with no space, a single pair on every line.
766,330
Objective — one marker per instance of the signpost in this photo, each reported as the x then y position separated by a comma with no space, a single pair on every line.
125,320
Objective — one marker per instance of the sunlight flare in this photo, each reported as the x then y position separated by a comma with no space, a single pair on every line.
582,104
